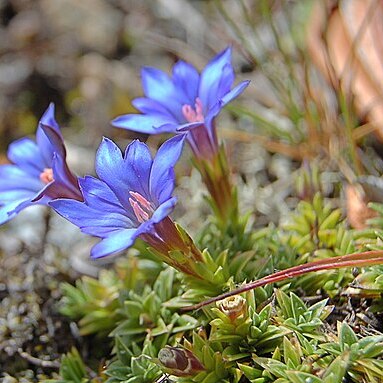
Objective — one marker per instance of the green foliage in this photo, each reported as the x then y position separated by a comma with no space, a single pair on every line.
263,336
212,358
316,226
346,357
251,331
369,284
297,317
233,237
146,314
377,221
72,369
97,303
133,365
94,302
358,357
317,231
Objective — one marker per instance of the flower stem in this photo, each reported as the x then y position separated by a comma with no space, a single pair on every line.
216,175
351,260
172,245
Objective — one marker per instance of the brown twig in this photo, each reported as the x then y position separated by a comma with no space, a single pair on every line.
351,260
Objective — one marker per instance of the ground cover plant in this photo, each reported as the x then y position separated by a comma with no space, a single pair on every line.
217,290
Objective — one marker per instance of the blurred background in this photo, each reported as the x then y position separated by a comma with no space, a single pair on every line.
86,58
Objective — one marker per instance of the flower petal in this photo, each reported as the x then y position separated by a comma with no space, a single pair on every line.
152,107
123,175
9,210
56,140
8,196
48,136
26,154
162,173
164,210
217,75
138,160
108,161
14,178
186,77
114,243
215,109
46,147
148,124
64,185
235,92
99,222
226,81
48,118
63,176
159,87
97,192
184,128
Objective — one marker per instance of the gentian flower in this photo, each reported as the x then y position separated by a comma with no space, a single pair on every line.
131,198
187,102
39,172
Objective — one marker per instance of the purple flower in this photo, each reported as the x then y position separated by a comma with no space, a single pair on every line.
187,102
39,172
131,198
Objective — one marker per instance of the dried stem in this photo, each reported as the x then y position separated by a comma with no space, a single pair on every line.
352,260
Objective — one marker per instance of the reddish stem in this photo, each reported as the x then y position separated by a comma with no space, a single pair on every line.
368,258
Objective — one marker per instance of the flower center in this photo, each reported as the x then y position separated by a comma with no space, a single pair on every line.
141,206
193,115
47,176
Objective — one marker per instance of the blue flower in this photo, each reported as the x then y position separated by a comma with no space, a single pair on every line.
187,102
131,198
39,172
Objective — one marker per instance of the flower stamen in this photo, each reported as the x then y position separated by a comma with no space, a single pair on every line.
141,206
46,176
193,115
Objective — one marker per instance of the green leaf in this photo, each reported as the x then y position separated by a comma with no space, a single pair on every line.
337,370
302,377
347,336
291,353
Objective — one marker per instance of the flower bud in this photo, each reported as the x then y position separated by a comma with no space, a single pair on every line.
233,307
180,361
